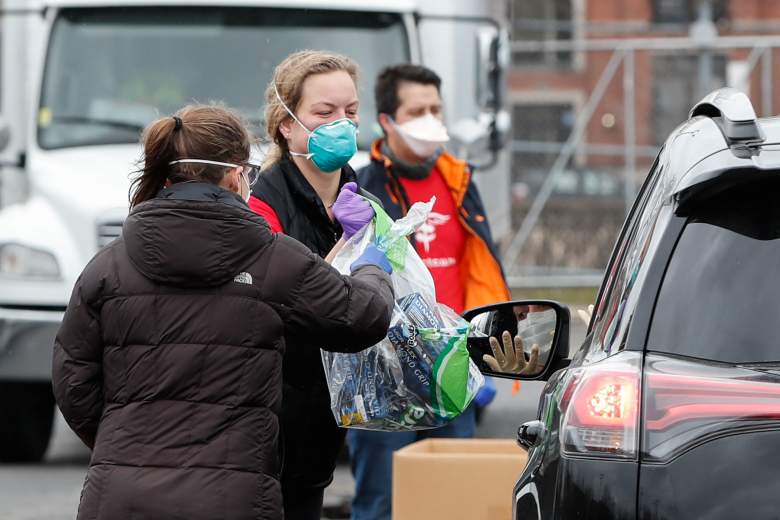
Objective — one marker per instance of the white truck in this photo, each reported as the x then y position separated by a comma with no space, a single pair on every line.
81,78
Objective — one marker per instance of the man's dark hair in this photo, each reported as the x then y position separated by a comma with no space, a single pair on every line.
388,81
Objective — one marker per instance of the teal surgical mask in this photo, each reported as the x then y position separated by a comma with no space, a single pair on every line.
330,145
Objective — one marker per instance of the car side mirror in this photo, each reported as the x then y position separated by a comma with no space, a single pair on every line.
538,338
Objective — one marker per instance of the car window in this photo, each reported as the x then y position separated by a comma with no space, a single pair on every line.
627,270
720,296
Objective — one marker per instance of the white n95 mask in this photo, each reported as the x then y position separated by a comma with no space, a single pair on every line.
538,329
424,135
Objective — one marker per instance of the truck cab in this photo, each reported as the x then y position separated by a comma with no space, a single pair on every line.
81,79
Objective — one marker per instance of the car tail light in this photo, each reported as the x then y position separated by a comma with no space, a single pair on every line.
600,408
687,401
683,402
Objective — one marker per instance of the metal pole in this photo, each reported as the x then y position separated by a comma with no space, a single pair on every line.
562,160
703,32
648,44
766,82
609,150
755,54
629,128
705,72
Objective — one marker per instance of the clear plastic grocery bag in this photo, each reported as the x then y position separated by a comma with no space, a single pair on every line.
420,375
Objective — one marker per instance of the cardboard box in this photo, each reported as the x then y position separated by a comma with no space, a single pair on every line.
462,479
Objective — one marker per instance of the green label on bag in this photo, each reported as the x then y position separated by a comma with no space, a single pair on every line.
451,373
395,248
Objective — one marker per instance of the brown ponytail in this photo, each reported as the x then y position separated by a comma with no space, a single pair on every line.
208,132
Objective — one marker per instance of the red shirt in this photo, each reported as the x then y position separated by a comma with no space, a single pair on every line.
267,212
442,239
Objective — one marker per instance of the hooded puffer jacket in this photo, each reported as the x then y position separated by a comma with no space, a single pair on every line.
168,363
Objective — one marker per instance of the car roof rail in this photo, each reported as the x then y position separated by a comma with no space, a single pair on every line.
733,112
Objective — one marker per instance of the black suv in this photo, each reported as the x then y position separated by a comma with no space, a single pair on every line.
670,409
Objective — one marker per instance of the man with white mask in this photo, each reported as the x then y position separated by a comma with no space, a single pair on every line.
410,164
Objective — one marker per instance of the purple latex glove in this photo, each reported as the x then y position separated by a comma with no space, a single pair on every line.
351,210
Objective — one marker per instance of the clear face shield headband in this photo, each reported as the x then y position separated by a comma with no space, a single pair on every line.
251,172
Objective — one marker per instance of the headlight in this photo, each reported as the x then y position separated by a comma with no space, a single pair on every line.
20,261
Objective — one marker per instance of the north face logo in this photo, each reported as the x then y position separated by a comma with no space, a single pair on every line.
243,278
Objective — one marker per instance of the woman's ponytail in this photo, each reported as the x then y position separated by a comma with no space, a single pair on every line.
211,132
159,151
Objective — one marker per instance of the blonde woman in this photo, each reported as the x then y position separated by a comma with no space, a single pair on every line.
312,118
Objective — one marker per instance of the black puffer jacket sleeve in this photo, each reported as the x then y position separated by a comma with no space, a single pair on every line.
77,375
340,313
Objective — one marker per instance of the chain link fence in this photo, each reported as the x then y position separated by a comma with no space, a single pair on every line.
589,117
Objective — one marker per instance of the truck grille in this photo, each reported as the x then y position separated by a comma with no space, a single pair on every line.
108,231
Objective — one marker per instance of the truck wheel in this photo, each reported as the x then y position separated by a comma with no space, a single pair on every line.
26,420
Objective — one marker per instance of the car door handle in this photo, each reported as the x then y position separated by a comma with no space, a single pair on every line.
530,434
